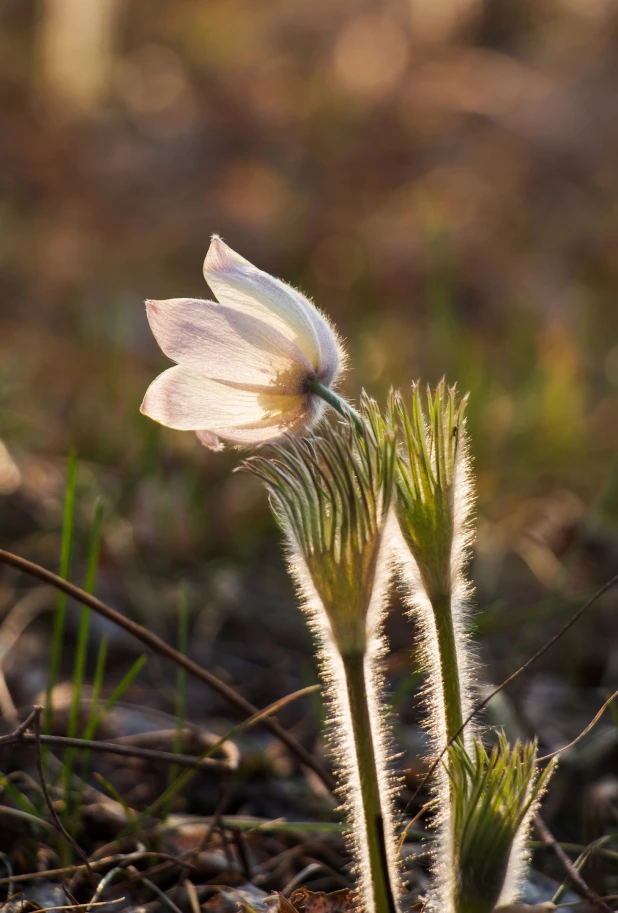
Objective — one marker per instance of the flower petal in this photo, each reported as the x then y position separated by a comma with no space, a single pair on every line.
332,356
210,440
187,402
224,344
244,287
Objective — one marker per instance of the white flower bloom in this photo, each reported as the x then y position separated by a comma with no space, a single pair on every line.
246,363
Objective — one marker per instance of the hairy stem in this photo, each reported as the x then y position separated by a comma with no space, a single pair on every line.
449,664
365,758
338,403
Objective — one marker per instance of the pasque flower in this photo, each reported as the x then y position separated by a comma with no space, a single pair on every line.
257,363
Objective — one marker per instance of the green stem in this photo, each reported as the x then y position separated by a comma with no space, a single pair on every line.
364,755
338,403
453,712
449,664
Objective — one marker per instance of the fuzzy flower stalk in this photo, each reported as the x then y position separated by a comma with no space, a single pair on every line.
258,363
332,496
484,801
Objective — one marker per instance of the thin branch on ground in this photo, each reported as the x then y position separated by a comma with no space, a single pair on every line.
584,732
36,725
194,900
19,733
164,649
482,704
94,865
127,751
578,882
167,901
79,906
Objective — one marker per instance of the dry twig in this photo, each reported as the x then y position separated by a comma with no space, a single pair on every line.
36,725
585,890
127,751
482,704
164,649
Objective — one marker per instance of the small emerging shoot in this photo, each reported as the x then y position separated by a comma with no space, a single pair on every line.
494,797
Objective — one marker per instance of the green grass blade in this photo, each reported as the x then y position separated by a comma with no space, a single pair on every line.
97,687
82,649
97,714
113,792
23,801
181,673
65,564
181,688
119,690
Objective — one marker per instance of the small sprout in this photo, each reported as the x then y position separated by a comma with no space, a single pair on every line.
494,797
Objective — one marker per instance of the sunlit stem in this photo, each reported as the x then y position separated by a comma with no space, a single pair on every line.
449,664
450,674
364,756
338,403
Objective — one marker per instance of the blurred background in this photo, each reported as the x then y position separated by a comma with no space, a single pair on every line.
441,178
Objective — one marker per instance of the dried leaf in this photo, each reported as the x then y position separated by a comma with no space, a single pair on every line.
306,901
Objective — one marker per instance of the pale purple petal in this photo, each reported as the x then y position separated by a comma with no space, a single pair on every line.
221,343
309,412
187,402
240,285
210,440
332,357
